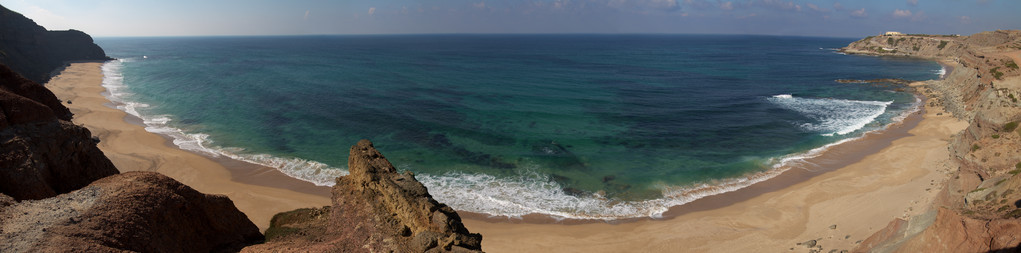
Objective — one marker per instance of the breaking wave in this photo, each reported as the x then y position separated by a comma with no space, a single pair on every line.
829,116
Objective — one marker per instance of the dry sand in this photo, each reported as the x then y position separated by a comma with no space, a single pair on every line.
131,148
859,197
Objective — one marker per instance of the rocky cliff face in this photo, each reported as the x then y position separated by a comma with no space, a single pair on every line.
375,209
979,207
34,52
42,154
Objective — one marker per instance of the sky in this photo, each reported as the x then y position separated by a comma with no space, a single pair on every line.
826,18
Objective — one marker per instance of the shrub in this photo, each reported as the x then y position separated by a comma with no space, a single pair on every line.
942,44
974,147
1010,126
1013,214
996,136
1011,64
996,72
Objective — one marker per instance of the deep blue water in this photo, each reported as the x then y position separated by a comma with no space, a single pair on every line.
584,126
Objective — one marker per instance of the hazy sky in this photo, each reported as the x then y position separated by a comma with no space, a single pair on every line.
843,18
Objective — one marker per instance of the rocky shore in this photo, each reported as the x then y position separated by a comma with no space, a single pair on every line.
979,207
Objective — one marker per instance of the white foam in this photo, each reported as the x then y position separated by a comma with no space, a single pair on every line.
941,72
529,192
832,116
311,171
534,193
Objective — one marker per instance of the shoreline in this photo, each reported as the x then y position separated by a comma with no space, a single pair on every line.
902,169
248,172
832,158
258,192
247,178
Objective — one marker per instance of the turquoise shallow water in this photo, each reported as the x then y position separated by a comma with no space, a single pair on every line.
579,126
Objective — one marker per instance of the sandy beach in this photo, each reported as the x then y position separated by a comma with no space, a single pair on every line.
898,181
860,193
257,191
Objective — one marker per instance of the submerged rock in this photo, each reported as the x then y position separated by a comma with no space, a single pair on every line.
375,209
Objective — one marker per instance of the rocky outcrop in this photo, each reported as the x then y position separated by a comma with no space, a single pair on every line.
42,154
134,211
51,201
979,208
375,209
35,52
59,193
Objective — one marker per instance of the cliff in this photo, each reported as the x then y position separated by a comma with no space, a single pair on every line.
375,209
979,207
34,52
42,153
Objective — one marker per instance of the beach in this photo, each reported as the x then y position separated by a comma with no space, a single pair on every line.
257,191
837,208
860,192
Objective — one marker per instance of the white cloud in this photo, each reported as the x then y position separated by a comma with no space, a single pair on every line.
778,4
480,5
306,14
372,10
859,13
815,8
838,6
727,6
913,2
898,13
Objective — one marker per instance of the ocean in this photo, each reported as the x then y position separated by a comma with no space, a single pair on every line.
571,126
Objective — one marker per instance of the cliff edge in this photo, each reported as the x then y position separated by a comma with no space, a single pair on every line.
978,209
375,209
34,52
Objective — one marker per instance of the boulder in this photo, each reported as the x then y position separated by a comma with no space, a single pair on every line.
134,211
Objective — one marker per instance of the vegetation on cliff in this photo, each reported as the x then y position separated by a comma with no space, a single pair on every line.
975,211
